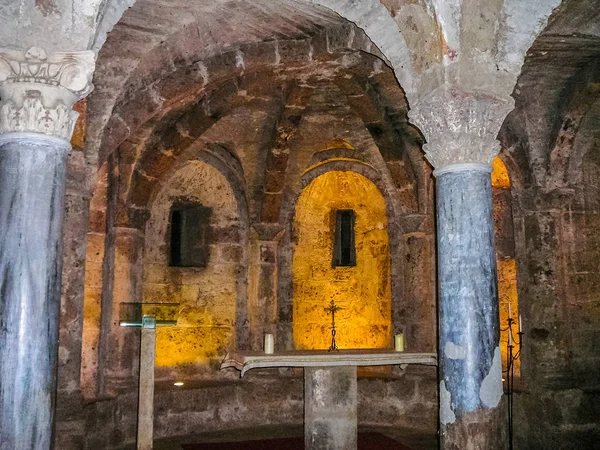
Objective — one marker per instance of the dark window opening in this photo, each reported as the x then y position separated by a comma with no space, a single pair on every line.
344,251
190,236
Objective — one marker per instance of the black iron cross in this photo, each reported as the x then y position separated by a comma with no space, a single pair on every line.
333,308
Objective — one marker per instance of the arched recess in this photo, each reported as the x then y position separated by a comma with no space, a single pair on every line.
208,295
362,291
505,258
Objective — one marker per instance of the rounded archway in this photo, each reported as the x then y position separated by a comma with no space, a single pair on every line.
360,285
506,262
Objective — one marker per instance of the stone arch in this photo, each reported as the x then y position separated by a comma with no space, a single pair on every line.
352,161
210,297
411,312
157,144
147,85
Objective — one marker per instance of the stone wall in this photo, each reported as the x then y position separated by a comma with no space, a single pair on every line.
207,296
407,401
554,165
241,145
560,390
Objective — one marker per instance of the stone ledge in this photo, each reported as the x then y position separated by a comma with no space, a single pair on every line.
244,361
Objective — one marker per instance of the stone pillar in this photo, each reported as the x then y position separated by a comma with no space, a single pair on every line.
145,429
38,91
330,408
263,311
461,128
117,355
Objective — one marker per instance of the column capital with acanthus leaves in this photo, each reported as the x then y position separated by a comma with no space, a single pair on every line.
460,126
38,90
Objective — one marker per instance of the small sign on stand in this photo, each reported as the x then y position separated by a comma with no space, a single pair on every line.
147,316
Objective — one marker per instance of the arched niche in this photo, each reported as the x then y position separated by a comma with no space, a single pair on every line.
206,293
363,290
505,257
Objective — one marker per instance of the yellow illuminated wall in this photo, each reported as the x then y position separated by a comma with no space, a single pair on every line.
362,291
507,274
206,297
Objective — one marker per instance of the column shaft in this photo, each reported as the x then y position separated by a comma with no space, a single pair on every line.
469,352
330,408
32,183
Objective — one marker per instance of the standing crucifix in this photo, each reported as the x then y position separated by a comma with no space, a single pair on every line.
332,309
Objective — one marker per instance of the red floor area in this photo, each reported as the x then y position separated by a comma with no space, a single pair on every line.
366,441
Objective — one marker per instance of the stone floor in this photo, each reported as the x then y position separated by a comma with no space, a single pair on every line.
415,441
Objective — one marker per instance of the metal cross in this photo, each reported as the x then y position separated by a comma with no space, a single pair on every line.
333,308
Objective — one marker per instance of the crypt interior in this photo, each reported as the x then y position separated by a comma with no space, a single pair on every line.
430,167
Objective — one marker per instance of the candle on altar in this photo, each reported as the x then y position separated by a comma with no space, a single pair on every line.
520,324
269,344
399,342
509,312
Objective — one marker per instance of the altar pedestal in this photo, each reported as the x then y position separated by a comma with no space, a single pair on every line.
330,387
330,404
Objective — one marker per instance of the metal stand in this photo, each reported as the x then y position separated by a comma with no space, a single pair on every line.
145,425
511,357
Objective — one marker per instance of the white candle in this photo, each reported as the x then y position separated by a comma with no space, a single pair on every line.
269,345
509,311
520,324
399,342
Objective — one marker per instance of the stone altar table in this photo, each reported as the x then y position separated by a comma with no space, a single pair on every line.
330,387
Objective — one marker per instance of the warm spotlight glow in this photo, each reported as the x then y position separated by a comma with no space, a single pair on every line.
500,174
178,383
363,291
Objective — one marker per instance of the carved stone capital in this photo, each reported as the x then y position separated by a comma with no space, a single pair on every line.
38,90
460,126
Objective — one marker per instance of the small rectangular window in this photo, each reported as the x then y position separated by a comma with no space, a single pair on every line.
344,252
190,236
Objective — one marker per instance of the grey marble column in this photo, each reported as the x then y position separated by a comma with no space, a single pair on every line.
32,183
37,92
330,408
469,352
461,126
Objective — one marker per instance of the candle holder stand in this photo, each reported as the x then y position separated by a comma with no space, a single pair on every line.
513,354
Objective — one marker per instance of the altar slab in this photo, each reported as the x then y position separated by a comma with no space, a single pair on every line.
245,361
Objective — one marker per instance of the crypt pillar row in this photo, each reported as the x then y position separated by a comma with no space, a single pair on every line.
37,91
461,129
